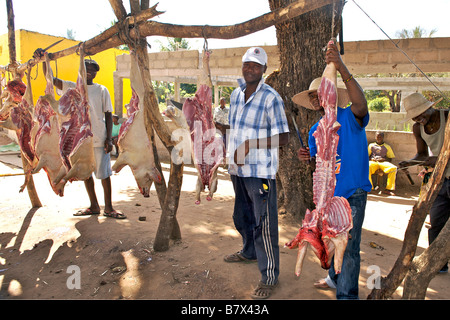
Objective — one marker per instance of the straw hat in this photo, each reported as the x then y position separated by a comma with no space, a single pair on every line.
415,104
302,98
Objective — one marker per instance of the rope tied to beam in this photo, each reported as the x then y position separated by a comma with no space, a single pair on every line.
124,32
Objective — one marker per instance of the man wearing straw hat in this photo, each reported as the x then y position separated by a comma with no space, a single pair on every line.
352,167
429,131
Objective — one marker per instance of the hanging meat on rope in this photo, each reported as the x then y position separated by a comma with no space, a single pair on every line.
22,118
135,148
326,227
46,137
75,139
207,148
11,96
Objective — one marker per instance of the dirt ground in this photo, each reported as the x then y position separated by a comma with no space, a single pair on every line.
42,251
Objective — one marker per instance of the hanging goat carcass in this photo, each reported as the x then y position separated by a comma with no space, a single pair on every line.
207,148
325,228
22,118
135,148
11,96
76,138
46,137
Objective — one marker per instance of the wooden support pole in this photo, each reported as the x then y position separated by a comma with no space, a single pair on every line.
11,32
169,196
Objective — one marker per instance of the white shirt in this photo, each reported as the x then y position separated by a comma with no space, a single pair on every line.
221,115
99,102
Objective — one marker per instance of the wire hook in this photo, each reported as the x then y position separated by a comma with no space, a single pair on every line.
205,43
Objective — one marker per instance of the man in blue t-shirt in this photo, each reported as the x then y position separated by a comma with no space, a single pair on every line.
352,167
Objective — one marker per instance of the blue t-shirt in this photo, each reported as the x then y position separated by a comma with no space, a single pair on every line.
352,158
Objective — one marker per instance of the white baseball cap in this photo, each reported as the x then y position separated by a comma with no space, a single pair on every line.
255,54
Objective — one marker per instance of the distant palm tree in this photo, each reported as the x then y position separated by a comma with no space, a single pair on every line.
417,32
175,44
70,34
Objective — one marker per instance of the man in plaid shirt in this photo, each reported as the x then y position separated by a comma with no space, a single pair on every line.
258,126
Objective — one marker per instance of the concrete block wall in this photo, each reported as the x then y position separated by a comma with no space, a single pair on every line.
389,121
184,59
228,61
362,57
381,56
232,58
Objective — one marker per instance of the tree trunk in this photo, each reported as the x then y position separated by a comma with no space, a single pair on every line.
428,194
391,96
300,43
427,265
397,100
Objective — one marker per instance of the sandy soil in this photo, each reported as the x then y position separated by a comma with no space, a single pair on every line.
42,250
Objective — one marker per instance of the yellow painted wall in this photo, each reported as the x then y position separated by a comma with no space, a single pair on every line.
65,68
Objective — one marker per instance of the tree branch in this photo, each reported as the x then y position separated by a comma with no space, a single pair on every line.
140,28
427,265
102,40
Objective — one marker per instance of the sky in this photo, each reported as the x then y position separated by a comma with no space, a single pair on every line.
88,18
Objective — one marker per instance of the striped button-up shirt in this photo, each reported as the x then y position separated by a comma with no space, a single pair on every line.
261,116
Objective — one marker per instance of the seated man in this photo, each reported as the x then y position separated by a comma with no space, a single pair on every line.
380,155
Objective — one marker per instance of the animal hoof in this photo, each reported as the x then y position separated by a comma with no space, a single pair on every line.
197,202
208,198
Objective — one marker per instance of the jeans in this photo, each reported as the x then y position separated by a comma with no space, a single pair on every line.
346,283
255,217
440,211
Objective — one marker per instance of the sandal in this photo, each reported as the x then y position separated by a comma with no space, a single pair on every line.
263,291
237,257
322,284
114,214
85,212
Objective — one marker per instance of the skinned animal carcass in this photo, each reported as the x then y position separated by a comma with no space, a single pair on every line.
76,138
135,148
22,119
46,137
182,151
326,228
207,149
11,97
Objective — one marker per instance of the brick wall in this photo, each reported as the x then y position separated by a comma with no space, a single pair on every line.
362,57
389,121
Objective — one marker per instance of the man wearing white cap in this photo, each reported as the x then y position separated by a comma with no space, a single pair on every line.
429,131
258,127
